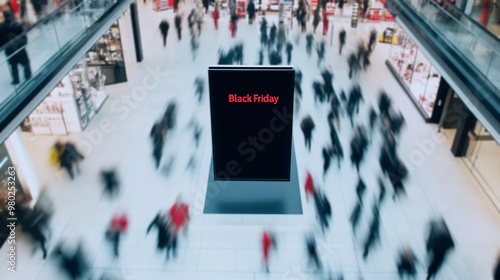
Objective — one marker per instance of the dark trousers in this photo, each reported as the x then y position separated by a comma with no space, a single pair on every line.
69,168
437,261
164,40
179,33
20,58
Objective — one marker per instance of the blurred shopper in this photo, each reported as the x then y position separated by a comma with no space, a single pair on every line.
321,51
74,264
372,40
384,103
496,269
406,264
355,99
191,21
281,37
373,234
164,31
171,115
319,94
178,22
309,43
439,243
199,83
263,32
355,215
360,189
289,48
44,207
158,134
274,58
15,50
341,38
301,16
233,24
327,153
251,11
176,8
238,53
268,244
307,126
194,45
298,82
32,224
373,117
273,33
323,209
312,251
111,183
117,227
309,185
353,65
261,56
325,23
358,147
205,5
338,151
382,192
216,16
179,213
328,82
166,237
316,19
69,158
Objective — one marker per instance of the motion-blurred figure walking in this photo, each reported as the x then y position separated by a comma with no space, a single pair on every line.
117,227
164,31
406,264
307,126
268,243
312,251
439,243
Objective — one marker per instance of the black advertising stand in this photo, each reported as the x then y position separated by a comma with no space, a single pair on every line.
253,169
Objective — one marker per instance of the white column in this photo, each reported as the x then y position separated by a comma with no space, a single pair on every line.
24,166
127,38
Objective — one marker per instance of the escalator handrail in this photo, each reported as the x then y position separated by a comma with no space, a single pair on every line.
472,21
495,49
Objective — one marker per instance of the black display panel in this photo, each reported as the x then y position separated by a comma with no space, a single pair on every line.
252,119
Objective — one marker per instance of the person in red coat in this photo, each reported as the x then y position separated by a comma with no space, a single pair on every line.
309,186
325,22
267,244
216,16
118,225
179,213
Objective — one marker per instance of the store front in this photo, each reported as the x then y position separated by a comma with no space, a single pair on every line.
421,81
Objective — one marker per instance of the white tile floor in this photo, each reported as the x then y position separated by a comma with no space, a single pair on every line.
228,246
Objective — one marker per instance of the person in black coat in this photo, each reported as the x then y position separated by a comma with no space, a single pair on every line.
164,31
318,92
199,83
353,65
289,48
273,32
263,32
309,43
298,82
69,157
374,233
205,5
261,57
371,41
307,126
342,35
74,264
316,19
406,264
15,50
355,215
312,251
178,25
496,269
166,237
274,58
251,11
360,189
327,153
321,52
439,243
384,103
323,209
382,192
328,85
30,221
111,183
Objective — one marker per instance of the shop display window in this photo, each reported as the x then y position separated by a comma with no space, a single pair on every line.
415,70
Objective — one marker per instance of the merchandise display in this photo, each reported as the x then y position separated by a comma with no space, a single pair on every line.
414,69
161,5
71,104
107,54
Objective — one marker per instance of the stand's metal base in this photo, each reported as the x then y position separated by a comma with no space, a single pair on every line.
254,197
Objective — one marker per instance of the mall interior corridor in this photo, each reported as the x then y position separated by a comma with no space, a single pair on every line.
228,246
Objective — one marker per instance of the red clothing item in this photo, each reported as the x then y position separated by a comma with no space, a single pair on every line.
119,222
215,15
325,23
179,215
266,245
232,27
15,8
309,186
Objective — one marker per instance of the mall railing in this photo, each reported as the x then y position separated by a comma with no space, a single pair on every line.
51,43
465,54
